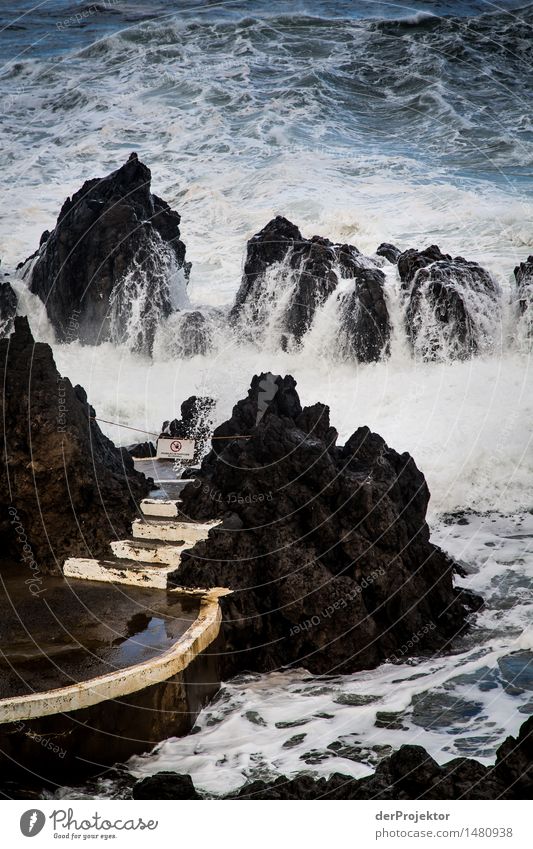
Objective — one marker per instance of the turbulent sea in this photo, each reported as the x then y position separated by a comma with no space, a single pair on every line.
363,122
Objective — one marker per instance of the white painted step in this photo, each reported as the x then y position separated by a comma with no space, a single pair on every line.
183,532
148,551
110,571
161,507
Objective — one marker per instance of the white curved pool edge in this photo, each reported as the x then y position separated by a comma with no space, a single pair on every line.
201,633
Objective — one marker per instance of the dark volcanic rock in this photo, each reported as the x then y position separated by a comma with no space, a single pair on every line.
142,450
194,335
306,272
390,252
114,244
410,261
524,282
326,547
409,773
366,317
196,423
165,785
64,489
8,308
453,306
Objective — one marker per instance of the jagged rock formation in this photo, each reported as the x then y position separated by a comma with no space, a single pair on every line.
282,265
390,252
452,307
524,283
196,423
142,450
325,547
8,308
64,487
410,773
109,260
194,335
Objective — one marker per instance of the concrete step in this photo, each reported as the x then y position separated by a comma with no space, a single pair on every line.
118,572
160,507
148,551
167,530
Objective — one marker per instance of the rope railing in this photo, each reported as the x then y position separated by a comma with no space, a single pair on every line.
152,433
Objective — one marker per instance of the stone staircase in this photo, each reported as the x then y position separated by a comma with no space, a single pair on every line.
146,560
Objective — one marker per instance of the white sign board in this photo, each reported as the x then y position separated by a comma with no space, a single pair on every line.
169,448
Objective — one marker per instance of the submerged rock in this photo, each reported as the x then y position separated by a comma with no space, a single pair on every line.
325,547
453,306
65,489
8,308
409,773
282,267
524,283
105,270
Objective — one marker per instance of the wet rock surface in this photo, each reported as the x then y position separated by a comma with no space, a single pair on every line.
142,450
451,304
409,773
325,547
524,284
65,489
8,308
390,252
70,631
306,272
114,243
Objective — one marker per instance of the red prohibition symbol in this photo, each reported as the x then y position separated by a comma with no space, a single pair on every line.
175,447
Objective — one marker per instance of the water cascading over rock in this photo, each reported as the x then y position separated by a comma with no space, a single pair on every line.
114,262
325,547
8,308
287,279
524,289
65,489
453,308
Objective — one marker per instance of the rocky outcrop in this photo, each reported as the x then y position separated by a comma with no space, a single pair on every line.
142,450
366,322
452,305
390,252
410,261
194,335
325,547
109,261
64,487
196,423
282,266
524,284
269,247
8,308
410,773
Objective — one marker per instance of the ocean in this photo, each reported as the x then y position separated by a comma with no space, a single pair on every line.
363,122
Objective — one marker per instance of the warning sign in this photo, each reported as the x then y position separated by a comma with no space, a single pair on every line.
175,449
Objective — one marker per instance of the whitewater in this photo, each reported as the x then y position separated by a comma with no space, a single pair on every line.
369,124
